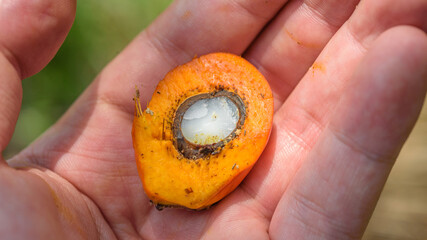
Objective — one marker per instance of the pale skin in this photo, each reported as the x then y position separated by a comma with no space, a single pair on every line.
348,85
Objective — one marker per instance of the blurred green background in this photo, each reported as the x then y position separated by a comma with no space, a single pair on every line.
103,28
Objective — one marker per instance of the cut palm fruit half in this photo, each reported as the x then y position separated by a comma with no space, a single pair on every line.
205,127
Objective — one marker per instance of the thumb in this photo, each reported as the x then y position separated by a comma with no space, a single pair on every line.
31,32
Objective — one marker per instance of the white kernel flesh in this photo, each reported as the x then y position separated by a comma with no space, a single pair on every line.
211,120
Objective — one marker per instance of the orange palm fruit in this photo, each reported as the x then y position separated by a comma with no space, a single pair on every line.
185,161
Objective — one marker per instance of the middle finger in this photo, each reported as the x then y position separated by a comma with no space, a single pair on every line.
291,43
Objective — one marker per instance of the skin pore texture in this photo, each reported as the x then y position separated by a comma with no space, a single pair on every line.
348,84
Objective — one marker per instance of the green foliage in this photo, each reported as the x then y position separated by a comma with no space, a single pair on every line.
101,30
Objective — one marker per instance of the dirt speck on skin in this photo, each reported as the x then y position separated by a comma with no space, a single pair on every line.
302,43
187,14
318,66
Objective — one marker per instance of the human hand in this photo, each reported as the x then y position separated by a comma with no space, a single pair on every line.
348,88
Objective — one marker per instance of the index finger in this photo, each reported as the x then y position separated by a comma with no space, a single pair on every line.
184,30
30,34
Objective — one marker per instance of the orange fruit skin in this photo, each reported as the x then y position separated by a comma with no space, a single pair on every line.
170,179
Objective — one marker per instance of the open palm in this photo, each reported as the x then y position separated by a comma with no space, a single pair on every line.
348,84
